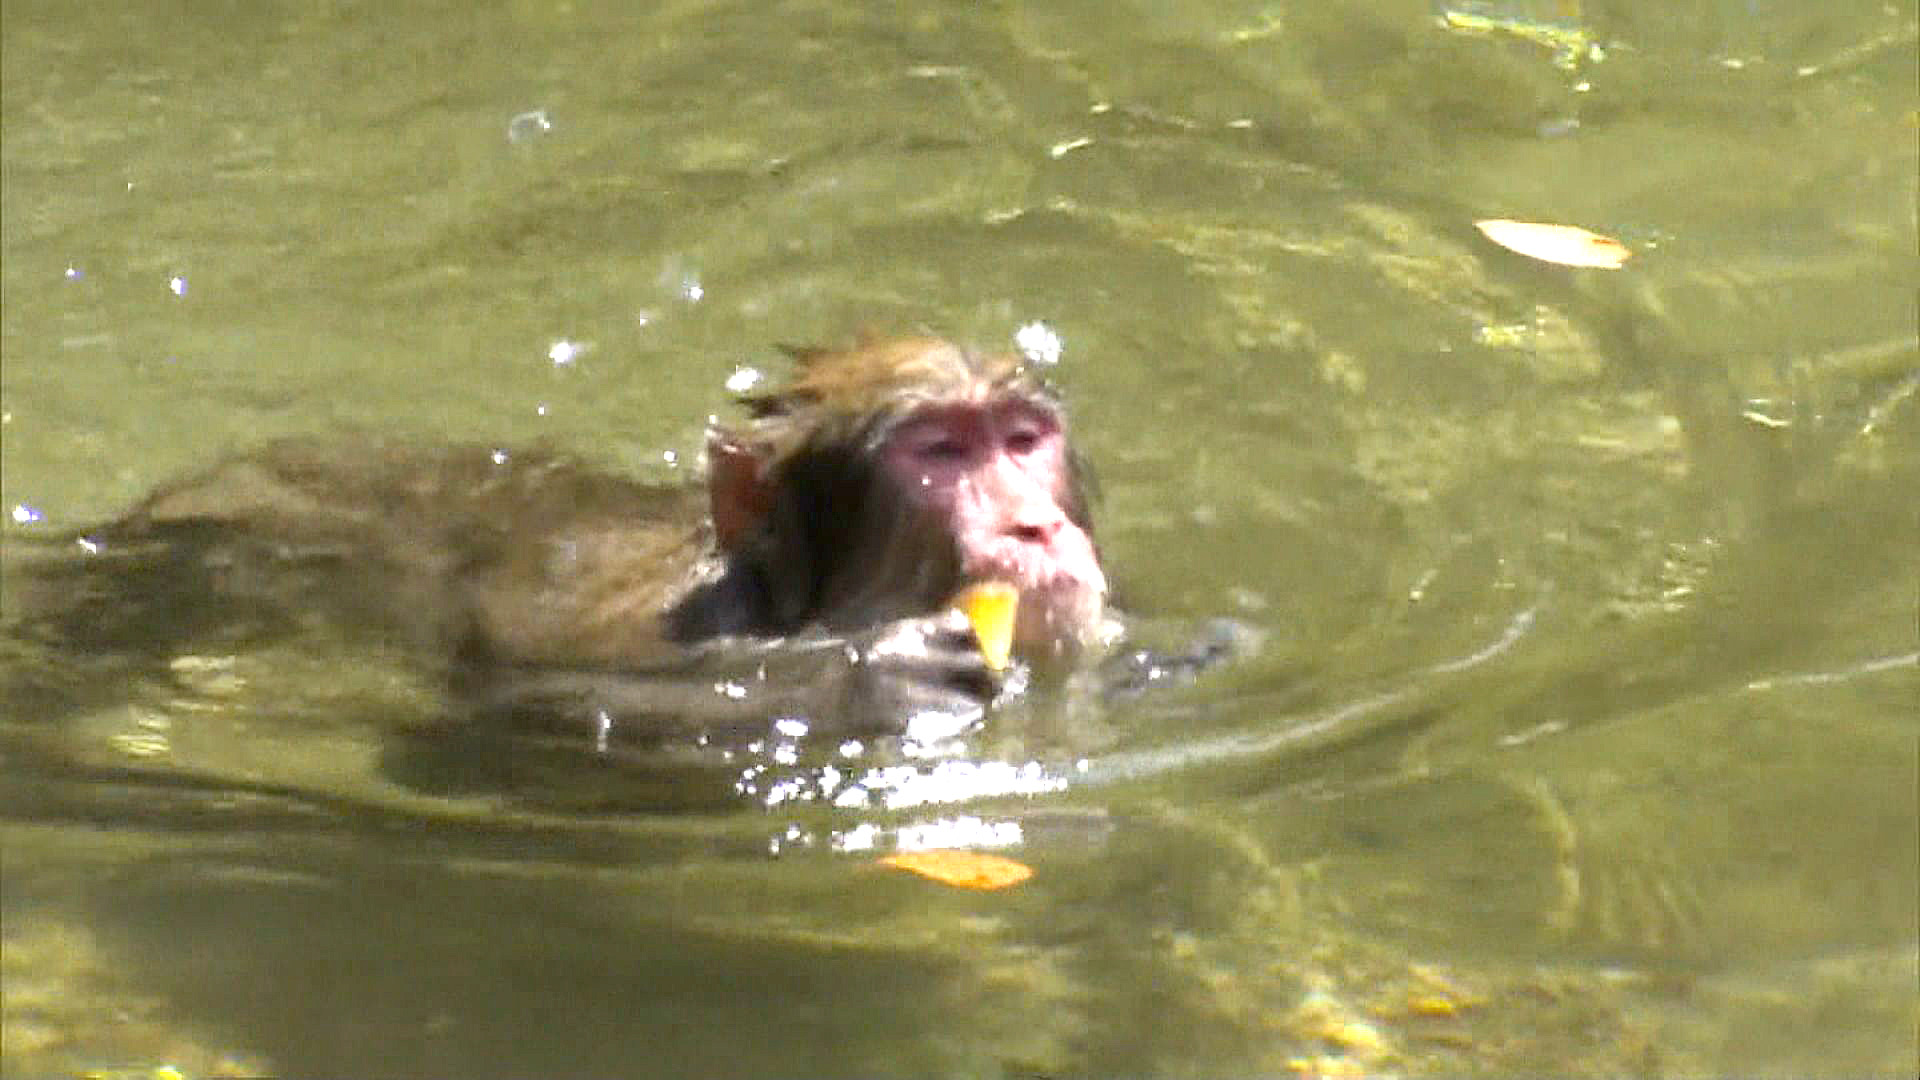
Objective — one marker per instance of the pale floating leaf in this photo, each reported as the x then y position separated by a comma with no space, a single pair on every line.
1565,245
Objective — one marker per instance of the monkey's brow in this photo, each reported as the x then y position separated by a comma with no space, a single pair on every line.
1030,384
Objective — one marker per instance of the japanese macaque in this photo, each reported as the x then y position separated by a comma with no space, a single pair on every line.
814,579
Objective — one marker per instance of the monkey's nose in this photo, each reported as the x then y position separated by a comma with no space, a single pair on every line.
1036,530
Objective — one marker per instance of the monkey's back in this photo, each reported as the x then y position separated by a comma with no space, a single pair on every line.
517,555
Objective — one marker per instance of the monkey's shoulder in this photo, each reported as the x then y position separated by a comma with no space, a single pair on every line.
589,588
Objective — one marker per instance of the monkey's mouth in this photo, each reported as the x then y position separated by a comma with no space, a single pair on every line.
1058,607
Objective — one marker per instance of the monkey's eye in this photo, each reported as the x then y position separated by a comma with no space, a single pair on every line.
1024,440
945,449
1023,430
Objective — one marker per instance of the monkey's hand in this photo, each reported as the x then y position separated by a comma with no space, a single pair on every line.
901,669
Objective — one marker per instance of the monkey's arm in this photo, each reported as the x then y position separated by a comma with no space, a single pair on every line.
870,682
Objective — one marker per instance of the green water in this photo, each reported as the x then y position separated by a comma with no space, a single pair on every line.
1582,737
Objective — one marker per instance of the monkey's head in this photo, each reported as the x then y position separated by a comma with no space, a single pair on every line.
880,479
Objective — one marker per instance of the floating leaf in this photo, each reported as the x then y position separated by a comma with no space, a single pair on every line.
962,869
990,606
1432,1005
1566,245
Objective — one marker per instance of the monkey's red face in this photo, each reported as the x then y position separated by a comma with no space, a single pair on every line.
997,472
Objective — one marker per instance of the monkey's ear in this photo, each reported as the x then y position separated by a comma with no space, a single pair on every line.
738,491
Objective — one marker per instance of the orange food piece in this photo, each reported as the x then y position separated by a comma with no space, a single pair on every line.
962,869
1566,245
991,606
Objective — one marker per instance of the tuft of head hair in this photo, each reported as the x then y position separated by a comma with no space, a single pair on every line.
854,396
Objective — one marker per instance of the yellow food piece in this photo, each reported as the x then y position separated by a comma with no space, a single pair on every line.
991,606
962,869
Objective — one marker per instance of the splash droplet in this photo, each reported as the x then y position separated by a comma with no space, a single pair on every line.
529,126
1039,343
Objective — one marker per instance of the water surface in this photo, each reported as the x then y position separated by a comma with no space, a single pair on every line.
1582,734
